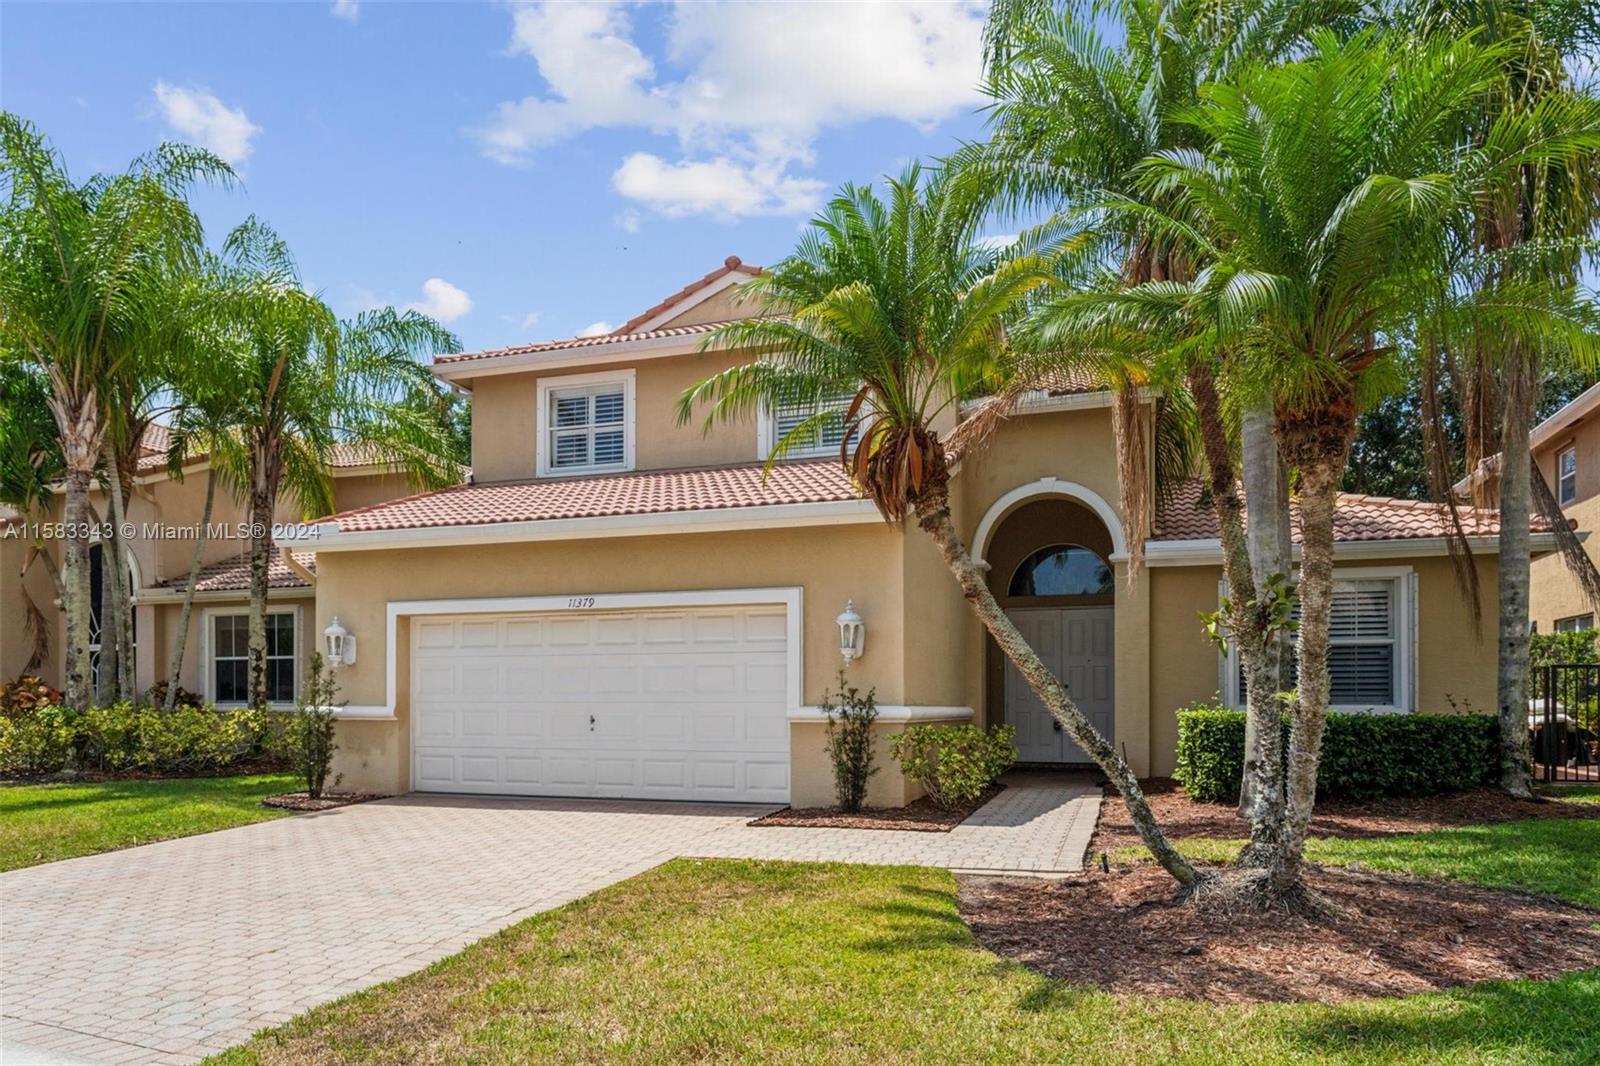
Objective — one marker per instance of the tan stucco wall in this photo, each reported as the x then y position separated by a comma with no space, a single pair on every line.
719,307
505,411
1553,593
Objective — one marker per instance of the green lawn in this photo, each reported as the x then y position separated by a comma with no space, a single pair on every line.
705,960
42,823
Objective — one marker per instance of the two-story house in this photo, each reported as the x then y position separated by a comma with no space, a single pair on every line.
620,605
1566,449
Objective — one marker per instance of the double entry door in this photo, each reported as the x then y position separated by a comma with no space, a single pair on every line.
1075,643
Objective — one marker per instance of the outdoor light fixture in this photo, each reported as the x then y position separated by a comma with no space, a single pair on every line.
340,643
852,632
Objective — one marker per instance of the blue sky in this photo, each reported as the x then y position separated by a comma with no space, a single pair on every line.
522,172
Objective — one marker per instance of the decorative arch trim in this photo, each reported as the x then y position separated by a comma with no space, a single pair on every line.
1047,487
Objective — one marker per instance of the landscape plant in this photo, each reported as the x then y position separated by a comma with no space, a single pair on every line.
955,764
849,742
312,727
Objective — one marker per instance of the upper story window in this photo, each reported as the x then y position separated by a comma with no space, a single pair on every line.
1567,476
586,423
1576,624
822,437
1062,570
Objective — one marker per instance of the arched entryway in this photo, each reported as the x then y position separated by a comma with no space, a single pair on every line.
1050,566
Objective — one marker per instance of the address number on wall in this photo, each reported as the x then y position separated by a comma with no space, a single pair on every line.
580,601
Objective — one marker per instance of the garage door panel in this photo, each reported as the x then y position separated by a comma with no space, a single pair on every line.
683,703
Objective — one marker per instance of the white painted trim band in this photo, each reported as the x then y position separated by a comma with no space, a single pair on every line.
893,713
1208,551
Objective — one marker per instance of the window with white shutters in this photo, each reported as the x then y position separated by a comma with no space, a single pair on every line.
585,424
822,437
1367,648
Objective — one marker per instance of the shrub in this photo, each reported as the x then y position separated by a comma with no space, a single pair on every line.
40,742
954,763
1547,649
157,697
25,695
1364,756
849,742
311,728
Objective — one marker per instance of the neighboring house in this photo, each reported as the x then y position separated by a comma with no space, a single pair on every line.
623,606
1566,448
165,512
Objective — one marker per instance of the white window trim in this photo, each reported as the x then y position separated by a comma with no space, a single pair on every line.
627,378
1405,622
1574,618
1561,493
208,672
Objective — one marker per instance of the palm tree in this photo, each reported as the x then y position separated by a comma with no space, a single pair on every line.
1324,207
1552,210
1084,91
305,382
896,304
80,265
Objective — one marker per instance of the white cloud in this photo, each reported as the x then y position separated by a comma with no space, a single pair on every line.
526,322
199,116
759,83
349,10
442,300
627,221
595,329
720,186
997,241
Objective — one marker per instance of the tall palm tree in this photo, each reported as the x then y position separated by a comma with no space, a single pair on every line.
1544,221
80,267
305,382
895,303
1324,207
1084,91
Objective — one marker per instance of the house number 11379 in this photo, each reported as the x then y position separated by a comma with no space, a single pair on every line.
580,601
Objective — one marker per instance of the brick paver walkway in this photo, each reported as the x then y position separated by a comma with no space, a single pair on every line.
172,951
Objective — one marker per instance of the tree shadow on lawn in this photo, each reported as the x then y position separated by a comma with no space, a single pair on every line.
1556,1020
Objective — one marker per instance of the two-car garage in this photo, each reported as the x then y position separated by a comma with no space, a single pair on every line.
671,702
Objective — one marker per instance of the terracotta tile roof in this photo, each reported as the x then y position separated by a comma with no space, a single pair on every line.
153,452
729,265
1187,515
1073,381
574,342
234,574
645,492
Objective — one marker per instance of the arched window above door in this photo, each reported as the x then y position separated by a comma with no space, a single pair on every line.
1062,570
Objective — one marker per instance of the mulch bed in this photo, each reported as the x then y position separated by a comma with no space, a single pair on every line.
1181,816
301,801
1125,933
918,816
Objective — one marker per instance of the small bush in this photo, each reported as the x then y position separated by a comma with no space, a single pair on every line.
40,742
157,697
311,728
1364,756
1549,649
954,763
849,743
25,695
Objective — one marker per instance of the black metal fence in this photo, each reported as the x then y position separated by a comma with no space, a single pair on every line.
1564,722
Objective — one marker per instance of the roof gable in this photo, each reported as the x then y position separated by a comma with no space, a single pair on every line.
732,271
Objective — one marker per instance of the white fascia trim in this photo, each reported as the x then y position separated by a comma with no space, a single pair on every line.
893,713
1208,551
171,595
791,598
559,358
721,520
695,299
1568,416
1042,402
628,378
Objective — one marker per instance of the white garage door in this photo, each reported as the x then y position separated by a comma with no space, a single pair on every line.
661,704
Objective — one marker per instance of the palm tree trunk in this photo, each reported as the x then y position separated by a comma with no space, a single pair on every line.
115,626
195,561
261,501
105,667
76,672
1319,486
1516,491
1266,493
933,515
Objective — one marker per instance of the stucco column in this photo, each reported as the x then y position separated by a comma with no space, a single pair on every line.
1132,629
146,646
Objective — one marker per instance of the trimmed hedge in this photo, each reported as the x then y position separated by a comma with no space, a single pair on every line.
123,737
1364,756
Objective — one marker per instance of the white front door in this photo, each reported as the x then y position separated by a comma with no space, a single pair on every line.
1075,643
687,703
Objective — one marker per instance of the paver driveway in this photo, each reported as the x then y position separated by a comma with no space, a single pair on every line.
171,951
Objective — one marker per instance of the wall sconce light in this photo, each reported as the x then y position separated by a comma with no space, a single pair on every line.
340,643
852,632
